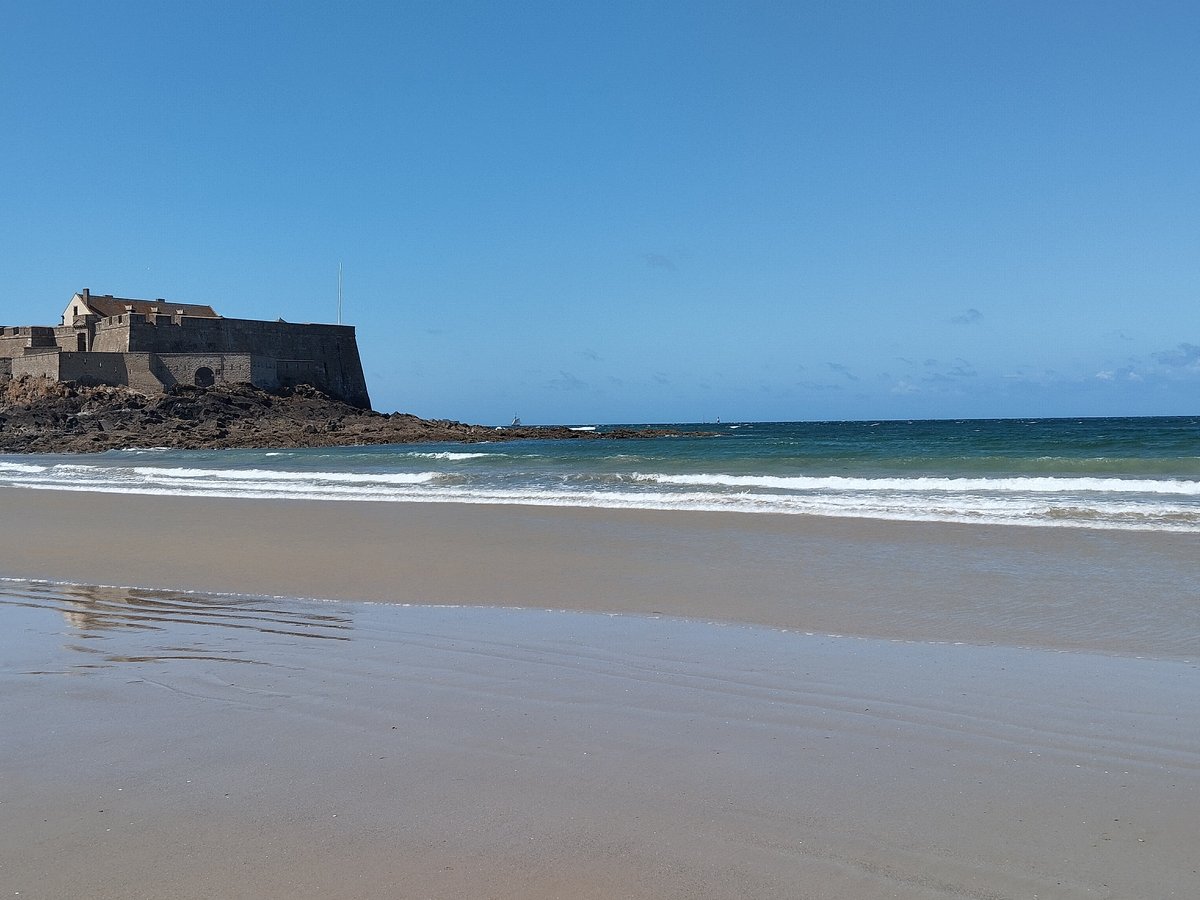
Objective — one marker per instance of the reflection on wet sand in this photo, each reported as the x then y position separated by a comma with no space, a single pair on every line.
128,621
471,752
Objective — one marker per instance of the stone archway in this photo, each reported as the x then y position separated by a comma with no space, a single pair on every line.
205,377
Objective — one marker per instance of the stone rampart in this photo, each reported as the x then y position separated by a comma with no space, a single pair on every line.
15,341
150,373
93,368
325,356
203,369
36,364
104,368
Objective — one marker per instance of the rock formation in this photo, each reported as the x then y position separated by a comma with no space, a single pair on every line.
38,415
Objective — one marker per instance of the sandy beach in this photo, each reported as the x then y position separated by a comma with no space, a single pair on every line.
600,451
710,740
1059,588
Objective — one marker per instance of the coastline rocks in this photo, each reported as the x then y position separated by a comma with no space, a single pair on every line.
42,416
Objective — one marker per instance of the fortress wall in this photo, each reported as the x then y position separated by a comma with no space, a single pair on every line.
5,366
130,369
182,368
323,355
264,373
11,344
141,373
149,373
164,350
290,372
14,341
93,368
36,365
112,335
66,337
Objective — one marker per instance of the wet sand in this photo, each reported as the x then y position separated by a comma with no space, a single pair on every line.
1111,591
159,745
169,745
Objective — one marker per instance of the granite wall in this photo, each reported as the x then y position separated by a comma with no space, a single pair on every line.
325,356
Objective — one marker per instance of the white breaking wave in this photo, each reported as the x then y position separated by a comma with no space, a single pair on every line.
250,476
7,467
1033,485
451,456
1142,504
1019,512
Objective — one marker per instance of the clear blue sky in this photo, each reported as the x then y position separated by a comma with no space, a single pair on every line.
640,211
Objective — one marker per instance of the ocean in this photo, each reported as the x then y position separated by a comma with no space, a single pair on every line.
1108,473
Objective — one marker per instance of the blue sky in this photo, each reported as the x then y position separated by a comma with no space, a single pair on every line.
581,212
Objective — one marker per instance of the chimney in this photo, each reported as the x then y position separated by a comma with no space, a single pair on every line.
86,296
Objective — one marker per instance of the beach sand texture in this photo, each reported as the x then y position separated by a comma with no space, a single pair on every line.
1061,588
164,744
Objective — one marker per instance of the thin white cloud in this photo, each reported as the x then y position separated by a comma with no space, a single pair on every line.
1182,356
967,317
566,381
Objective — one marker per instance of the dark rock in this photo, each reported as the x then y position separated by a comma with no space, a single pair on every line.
41,416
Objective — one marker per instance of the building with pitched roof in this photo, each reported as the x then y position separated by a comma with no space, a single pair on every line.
104,306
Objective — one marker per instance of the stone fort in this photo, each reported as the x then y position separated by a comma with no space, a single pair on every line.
153,345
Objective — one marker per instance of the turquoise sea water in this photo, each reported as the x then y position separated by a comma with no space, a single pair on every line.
1141,473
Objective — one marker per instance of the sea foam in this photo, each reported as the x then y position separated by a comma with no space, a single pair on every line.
257,475
925,484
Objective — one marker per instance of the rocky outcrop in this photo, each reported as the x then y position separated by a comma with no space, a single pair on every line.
42,416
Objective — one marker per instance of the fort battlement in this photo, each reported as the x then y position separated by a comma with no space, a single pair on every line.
153,345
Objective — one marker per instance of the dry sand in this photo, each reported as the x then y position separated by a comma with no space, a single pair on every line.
157,744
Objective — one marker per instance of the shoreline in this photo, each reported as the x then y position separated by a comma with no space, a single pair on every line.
1113,592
